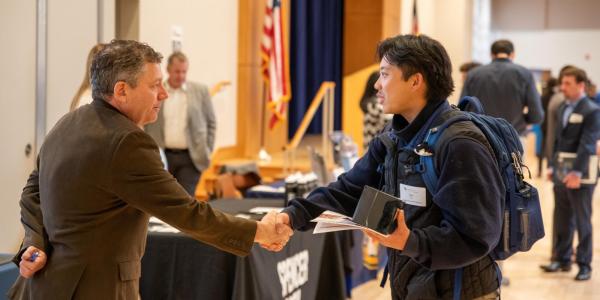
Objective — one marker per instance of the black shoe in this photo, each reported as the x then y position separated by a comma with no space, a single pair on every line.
556,266
585,273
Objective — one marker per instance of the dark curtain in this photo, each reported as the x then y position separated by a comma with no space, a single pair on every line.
315,56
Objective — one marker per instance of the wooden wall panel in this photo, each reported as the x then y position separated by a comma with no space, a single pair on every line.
391,18
363,20
249,92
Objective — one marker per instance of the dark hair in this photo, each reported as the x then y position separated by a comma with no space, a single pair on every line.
420,54
369,92
177,55
120,60
502,46
579,74
468,66
562,70
548,89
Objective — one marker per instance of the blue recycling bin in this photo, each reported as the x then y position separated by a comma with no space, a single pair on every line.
8,274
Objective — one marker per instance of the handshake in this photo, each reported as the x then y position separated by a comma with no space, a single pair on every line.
273,231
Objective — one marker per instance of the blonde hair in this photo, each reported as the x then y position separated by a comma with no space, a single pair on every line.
85,83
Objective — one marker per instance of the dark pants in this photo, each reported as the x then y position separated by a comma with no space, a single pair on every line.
183,169
572,210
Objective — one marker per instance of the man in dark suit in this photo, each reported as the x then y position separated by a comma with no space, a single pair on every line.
574,175
99,177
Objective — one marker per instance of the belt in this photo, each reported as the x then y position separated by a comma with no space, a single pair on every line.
175,150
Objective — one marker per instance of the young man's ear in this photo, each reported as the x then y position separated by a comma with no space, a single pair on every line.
120,91
416,80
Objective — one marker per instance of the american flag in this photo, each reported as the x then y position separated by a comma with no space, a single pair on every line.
274,62
415,19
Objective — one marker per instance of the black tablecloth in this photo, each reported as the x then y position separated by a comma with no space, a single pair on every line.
177,267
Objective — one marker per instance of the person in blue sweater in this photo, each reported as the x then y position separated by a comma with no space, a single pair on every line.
456,227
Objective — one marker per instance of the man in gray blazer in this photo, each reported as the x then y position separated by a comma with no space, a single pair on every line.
99,177
186,125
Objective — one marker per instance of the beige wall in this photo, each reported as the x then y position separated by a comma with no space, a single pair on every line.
447,21
552,49
209,40
17,117
72,29
68,47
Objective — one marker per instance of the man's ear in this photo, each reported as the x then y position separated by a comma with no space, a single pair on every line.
416,80
120,91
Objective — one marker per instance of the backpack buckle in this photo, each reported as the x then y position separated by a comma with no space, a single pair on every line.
423,150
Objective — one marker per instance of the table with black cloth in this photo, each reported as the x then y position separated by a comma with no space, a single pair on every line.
178,267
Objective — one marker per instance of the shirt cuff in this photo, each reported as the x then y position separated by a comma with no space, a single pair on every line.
297,219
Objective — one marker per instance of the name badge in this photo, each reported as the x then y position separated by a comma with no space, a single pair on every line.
575,118
413,195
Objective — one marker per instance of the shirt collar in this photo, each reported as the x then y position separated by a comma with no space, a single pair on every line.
170,88
502,59
573,104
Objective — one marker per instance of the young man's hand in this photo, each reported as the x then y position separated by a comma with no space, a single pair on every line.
572,180
398,238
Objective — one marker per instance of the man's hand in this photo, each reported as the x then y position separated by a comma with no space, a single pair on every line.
572,180
32,260
549,173
271,235
398,238
283,222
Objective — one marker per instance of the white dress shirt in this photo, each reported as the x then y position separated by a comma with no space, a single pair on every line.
175,114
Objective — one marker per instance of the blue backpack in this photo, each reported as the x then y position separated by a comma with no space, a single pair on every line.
522,224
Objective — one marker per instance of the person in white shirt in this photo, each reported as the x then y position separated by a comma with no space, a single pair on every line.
186,125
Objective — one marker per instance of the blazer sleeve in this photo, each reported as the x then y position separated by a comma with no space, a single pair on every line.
31,216
209,116
138,178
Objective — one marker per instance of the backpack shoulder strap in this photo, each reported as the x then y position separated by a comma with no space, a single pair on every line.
428,171
471,104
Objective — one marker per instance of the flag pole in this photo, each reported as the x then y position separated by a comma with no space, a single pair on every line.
263,155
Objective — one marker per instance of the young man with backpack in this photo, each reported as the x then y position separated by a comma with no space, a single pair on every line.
445,234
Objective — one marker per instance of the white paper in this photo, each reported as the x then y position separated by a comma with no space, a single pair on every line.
264,209
330,221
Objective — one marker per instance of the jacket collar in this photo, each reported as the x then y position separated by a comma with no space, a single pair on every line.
406,131
103,103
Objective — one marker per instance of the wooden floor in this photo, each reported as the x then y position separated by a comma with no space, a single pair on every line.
527,281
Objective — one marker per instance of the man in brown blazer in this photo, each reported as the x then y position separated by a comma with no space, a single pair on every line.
99,177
